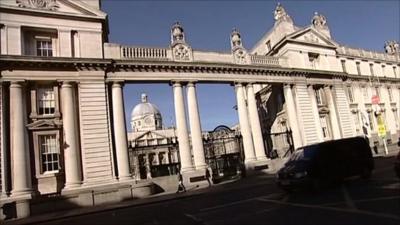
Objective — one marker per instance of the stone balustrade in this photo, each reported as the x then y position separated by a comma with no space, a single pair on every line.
143,53
264,60
366,54
116,51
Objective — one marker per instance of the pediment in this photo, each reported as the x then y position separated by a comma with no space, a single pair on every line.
44,124
312,36
150,135
67,7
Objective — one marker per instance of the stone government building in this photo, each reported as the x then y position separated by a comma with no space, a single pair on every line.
62,125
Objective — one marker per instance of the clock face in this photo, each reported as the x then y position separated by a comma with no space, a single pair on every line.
147,120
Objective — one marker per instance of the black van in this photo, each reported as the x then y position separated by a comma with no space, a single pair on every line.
326,163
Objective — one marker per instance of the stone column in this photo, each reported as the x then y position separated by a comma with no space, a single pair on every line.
195,128
292,115
248,145
182,133
255,124
314,107
121,141
332,113
73,177
21,171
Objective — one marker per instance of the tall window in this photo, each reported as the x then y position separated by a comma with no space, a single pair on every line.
325,127
390,94
350,94
49,153
356,121
371,120
358,68
343,66
44,48
46,101
371,69
394,72
319,96
365,94
377,92
383,70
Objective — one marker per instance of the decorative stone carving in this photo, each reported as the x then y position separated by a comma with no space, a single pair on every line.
318,21
240,55
182,52
281,15
39,4
392,47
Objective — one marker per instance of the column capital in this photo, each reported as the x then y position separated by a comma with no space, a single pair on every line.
117,84
238,84
17,84
191,84
66,84
288,85
176,84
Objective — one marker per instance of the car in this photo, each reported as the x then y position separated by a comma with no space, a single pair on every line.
326,163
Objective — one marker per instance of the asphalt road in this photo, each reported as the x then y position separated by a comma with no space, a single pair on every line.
257,200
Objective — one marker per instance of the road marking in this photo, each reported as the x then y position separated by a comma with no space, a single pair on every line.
239,202
347,198
383,215
195,219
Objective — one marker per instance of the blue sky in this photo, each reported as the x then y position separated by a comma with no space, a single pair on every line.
207,24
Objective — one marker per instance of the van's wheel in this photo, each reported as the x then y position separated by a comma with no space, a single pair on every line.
366,173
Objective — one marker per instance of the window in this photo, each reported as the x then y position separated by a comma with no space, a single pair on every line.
396,118
371,69
390,94
324,126
44,48
358,68
46,101
268,46
343,66
313,59
394,72
49,153
356,121
350,94
319,96
377,92
371,119
383,70
365,94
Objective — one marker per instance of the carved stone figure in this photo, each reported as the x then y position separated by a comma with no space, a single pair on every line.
280,14
318,21
38,4
240,56
392,47
236,40
181,52
177,34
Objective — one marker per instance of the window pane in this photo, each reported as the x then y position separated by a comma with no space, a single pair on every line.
49,152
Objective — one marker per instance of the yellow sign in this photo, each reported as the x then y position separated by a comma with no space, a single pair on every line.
381,127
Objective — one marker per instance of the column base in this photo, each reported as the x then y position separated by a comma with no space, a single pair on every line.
259,166
187,169
72,186
22,193
125,178
196,179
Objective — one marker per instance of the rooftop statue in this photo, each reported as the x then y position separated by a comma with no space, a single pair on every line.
318,21
177,34
236,40
280,14
392,47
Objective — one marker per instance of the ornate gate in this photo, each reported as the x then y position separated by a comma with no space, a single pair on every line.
223,151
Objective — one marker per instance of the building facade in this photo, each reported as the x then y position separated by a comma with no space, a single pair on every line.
62,123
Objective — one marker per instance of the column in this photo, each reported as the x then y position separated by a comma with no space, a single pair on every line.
73,176
21,171
121,141
182,133
314,106
332,113
292,115
255,124
244,125
195,128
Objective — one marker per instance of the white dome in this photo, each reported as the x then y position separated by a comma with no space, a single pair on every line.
144,108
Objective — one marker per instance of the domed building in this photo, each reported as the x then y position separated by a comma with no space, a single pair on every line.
153,150
145,116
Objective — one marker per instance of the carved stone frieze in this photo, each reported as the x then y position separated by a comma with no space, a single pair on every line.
39,4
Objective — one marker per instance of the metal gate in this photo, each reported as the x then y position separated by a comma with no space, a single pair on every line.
279,144
224,154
